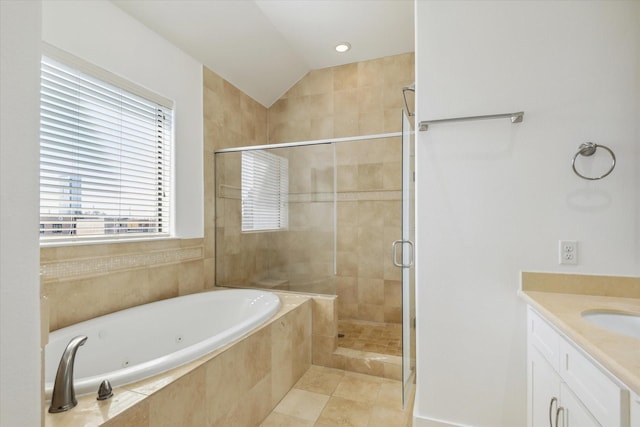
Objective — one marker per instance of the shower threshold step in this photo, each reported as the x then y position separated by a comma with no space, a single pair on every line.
370,363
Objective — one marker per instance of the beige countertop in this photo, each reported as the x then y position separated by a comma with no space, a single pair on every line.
563,307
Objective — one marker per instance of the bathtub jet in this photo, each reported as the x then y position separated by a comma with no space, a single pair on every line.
139,342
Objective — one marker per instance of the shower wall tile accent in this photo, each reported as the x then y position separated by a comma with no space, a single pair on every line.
111,264
81,282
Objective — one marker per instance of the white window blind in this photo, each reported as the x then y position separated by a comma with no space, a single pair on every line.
265,191
105,165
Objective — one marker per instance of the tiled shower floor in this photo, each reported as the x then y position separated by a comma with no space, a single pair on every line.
326,397
383,338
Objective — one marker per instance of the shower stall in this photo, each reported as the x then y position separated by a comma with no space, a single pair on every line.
331,217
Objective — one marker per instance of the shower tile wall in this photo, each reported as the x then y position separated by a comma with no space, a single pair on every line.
357,99
299,258
231,119
304,253
369,220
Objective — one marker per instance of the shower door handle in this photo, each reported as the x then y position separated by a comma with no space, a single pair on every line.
394,250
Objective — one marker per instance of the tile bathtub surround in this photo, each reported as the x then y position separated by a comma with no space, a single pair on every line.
332,397
237,385
118,275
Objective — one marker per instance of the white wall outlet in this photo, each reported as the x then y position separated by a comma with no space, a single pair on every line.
568,252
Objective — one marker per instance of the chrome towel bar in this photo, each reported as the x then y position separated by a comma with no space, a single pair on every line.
515,118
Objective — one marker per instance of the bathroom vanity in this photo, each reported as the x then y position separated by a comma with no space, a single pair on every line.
581,372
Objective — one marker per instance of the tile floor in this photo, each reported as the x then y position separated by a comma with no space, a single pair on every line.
383,338
326,397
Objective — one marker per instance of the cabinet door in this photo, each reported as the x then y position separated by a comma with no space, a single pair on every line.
544,391
572,412
635,410
595,389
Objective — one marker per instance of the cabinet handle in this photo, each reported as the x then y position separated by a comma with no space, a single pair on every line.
553,400
558,412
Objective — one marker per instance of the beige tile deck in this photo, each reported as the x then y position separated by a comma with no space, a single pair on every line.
326,397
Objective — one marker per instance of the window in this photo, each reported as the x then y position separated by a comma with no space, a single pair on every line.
265,191
105,164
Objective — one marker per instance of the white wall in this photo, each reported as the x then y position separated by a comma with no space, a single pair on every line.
102,34
20,373
494,198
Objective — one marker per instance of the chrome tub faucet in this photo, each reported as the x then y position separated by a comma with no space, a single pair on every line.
63,397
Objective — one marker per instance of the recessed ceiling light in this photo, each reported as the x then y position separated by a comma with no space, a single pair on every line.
343,47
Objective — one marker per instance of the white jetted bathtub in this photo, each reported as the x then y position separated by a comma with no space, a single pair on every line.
143,341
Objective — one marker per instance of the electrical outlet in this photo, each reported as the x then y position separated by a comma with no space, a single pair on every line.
568,252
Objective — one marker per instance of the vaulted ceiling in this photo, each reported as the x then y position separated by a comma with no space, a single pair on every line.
264,47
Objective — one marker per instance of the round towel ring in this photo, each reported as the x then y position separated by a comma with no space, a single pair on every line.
587,149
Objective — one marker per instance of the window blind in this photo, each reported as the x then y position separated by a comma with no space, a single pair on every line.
105,159
265,191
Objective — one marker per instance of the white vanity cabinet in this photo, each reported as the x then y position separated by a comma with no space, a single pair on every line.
552,403
566,388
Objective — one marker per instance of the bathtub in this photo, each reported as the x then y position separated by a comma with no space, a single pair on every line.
139,342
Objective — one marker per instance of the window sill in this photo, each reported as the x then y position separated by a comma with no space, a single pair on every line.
55,244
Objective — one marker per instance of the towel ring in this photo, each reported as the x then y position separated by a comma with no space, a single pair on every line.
587,149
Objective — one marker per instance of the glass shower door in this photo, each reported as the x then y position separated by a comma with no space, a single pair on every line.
408,256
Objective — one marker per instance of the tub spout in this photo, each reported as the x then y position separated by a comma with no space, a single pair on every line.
64,395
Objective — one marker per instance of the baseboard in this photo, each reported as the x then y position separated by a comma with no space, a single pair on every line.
430,422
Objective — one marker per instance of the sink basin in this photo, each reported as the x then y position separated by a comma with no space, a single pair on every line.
622,323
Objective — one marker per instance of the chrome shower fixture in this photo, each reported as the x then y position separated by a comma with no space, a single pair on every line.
410,88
